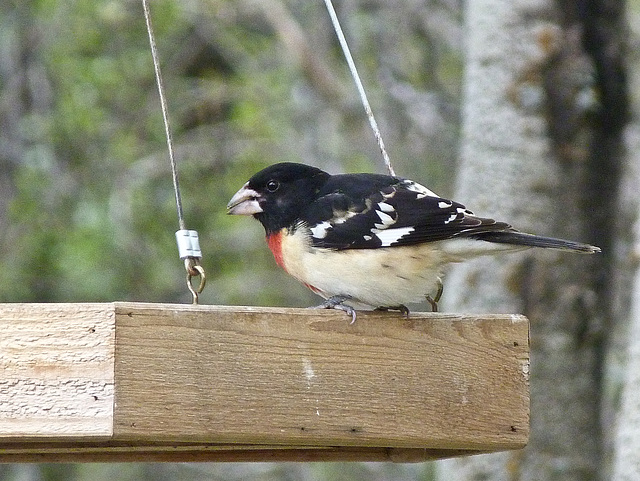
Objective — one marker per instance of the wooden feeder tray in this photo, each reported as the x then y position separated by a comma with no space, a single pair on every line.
127,381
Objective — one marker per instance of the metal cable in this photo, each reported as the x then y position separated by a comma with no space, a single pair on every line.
360,87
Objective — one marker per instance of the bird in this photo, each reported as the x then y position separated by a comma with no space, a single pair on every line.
371,240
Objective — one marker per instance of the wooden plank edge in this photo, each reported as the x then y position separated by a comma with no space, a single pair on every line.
216,453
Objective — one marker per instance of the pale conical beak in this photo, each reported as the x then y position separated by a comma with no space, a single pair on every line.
244,202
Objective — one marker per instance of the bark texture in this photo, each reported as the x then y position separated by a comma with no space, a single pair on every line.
525,159
626,462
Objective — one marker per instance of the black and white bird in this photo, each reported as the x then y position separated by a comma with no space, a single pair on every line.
370,239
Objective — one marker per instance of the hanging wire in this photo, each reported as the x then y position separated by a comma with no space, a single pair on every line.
165,112
188,244
360,87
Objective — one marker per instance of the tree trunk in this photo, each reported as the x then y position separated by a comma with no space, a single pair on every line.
626,464
626,338
525,160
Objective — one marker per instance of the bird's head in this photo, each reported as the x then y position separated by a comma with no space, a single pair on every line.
277,195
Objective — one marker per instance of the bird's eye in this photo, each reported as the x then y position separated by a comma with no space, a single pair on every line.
273,185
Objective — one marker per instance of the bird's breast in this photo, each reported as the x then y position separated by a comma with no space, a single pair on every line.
274,241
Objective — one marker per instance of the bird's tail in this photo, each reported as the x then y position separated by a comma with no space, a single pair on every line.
522,239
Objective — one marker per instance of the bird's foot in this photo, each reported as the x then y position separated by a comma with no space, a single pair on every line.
404,310
336,302
434,300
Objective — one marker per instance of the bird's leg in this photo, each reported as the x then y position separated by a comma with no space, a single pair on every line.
404,310
434,300
336,302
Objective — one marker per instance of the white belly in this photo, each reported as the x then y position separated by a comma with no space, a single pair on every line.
377,277
383,277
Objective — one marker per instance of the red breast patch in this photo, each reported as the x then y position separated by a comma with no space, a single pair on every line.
274,241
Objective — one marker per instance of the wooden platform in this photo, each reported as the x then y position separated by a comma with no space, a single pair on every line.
156,382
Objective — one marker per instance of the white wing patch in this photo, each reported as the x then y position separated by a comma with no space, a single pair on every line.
320,230
343,217
459,210
384,207
451,218
420,189
391,236
386,219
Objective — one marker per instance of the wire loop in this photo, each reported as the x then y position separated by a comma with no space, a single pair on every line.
194,269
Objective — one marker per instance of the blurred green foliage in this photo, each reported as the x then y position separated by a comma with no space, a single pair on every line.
87,210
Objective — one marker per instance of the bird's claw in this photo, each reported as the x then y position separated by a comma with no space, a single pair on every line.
349,310
336,302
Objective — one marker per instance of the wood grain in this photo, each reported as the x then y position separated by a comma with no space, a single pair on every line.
244,383
100,453
57,365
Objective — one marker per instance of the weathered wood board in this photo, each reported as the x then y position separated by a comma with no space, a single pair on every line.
136,382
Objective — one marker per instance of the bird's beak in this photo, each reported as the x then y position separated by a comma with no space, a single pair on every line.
244,202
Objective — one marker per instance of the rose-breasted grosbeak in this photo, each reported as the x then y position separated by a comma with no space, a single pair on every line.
371,239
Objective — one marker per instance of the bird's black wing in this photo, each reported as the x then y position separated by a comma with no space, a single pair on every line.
364,211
